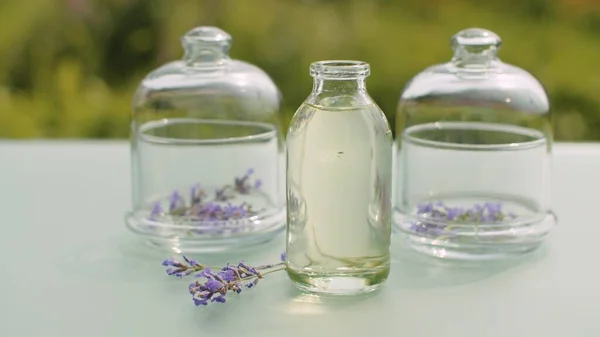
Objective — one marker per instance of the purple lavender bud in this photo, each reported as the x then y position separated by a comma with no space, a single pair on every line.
257,184
413,226
206,272
213,285
223,194
228,275
418,227
168,262
219,299
283,256
487,218
252,284
493,207
424,208
228,210
203,294
242,185
199,302
175,201
195,194
237,287
191,262
249,270
209,208
452,213
156,210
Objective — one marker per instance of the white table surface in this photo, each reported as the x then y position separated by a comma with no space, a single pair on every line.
70,268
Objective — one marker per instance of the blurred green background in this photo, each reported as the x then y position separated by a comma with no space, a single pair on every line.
68,68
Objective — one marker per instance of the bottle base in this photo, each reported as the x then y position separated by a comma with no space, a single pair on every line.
338,284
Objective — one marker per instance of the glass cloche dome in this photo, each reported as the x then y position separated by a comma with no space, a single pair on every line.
474,144
207,151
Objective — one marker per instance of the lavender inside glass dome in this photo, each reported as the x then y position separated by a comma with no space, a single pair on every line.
436,218
228,208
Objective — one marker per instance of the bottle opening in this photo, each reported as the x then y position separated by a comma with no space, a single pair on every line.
340,69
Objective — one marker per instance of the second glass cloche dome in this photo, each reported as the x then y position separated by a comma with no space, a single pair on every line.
207,151
474,141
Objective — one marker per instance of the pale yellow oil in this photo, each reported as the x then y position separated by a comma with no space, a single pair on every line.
338,186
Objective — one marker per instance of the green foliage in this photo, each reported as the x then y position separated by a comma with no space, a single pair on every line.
70,70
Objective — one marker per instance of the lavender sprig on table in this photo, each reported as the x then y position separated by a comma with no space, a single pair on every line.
202,208
213,286
436,218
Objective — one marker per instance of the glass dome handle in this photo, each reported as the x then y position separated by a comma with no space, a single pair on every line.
206,46
476,47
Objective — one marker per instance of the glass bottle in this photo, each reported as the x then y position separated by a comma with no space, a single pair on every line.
208,155
474,143
339,147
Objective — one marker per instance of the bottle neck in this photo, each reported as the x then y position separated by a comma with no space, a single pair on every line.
338,86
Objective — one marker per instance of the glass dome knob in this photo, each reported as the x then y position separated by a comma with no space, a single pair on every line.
475,46
206,46
476,37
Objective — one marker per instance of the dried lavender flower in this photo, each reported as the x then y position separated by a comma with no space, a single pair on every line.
480,213
201,208
435,218
175,201
156,211
212,286
179,269
242,185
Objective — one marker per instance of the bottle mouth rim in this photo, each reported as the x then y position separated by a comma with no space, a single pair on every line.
340,69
